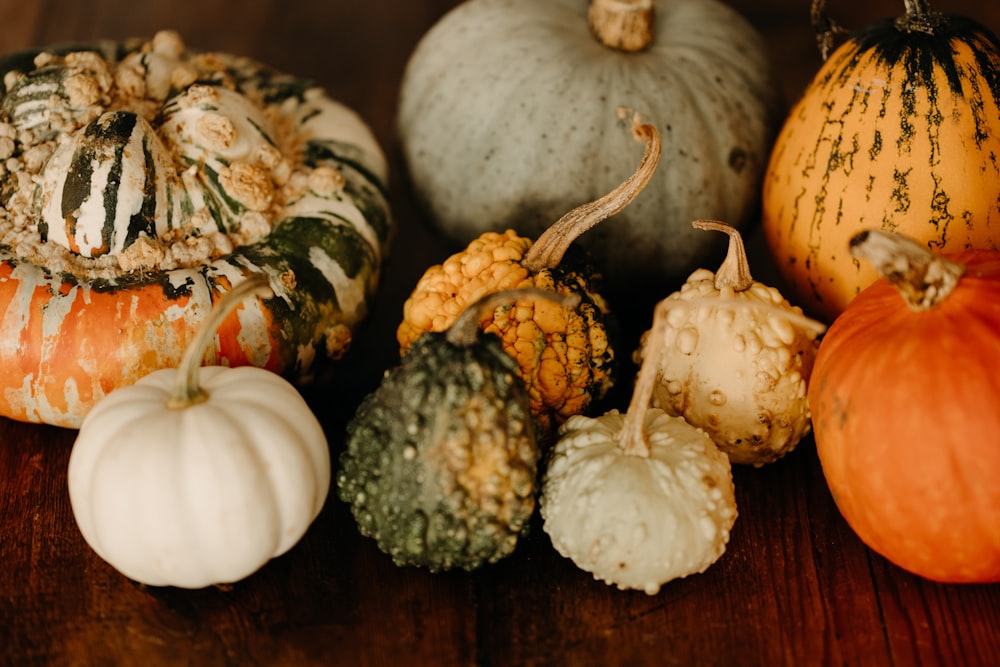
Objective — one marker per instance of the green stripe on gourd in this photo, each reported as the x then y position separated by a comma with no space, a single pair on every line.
220,169
361,184
212,128
36,98
111,183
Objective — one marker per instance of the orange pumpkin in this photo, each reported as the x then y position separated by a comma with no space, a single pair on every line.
904,398
899,130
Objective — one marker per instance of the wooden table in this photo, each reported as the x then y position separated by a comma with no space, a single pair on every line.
795,587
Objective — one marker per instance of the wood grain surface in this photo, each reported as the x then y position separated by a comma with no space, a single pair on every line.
795,587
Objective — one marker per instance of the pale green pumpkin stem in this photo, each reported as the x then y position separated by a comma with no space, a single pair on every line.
186,390
625,25
548,250
922,277
464,331
735,269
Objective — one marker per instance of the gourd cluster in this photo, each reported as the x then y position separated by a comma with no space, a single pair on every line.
726,371
867,189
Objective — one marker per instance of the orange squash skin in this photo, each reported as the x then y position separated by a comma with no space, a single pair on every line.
897,131
75,344
907,424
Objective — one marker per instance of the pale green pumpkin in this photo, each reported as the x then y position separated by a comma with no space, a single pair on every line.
507,119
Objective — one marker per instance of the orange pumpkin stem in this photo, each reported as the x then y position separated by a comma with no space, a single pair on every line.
735,269
824,27
465,330
550,247
625,25
922,277
186,390
919,17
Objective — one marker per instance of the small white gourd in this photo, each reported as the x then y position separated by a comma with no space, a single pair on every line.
736,359
198,476
638,499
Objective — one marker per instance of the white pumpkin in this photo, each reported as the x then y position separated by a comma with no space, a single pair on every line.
198,476
638,521
638,499
498,90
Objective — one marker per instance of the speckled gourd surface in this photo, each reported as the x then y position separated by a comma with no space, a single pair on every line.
441,460
507,120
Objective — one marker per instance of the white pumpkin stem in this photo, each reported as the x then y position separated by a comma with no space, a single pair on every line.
186,390
465,330
625,25
548,250
922,277
735,269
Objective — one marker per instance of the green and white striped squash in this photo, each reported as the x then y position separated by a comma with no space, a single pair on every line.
143,180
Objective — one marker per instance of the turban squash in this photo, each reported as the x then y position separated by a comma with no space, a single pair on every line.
141,182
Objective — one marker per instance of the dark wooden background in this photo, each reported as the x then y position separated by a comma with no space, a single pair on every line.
795,587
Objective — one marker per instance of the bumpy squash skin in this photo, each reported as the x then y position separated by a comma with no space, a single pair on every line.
898,132
440,461
565,357
69,339
736,373
638,522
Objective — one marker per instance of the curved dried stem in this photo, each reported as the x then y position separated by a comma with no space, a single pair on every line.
826,29
735,269
922,277
548,250
186,390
